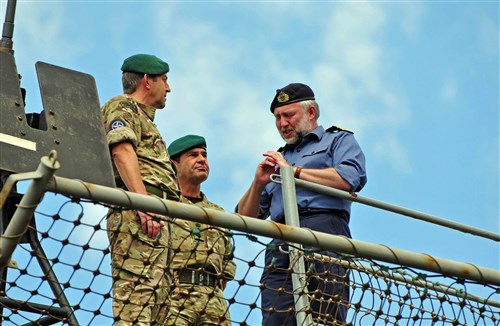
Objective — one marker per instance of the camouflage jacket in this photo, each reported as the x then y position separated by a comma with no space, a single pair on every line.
125,119
196,245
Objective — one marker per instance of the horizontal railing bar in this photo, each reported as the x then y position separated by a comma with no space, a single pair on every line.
357,248
395,209
61,313
346,263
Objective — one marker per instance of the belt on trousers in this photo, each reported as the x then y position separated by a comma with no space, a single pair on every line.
156,191
196,277
317,211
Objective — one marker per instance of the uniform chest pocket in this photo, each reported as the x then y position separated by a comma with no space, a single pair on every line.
159,147
317,157
153,143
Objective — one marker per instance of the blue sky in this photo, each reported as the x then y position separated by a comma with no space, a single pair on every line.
417,82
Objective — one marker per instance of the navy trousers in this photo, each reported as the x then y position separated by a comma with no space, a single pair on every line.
327,286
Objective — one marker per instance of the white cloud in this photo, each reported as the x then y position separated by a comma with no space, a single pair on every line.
411,15
42,29
488,32
222,85
213,95
353,75
449,91
391,150
210,97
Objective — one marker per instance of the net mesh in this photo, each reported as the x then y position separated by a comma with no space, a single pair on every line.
73,244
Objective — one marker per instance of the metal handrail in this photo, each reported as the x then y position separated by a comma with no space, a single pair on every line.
119,197
393,208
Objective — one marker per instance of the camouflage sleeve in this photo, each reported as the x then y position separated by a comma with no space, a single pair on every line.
229,269
228,263
121,122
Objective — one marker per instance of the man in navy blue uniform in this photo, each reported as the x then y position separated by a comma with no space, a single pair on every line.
330,157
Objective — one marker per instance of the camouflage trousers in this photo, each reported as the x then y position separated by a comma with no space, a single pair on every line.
197,305
141,279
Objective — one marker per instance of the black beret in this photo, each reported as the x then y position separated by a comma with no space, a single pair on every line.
182,144
145,64
291,93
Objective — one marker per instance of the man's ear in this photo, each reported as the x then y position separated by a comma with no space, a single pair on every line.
146,81
312,112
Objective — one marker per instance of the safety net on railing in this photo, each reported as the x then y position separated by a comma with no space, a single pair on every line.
70,238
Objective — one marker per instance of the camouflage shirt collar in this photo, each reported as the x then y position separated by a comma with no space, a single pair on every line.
149,111
196,200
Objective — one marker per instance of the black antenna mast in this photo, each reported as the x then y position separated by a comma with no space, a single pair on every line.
6,44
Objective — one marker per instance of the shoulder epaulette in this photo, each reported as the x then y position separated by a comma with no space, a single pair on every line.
281,149
129,105
337,129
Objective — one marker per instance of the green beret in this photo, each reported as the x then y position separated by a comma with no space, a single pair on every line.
182,144
145,64
291,93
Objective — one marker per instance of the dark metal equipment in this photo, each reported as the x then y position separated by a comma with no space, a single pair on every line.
71,118
70,124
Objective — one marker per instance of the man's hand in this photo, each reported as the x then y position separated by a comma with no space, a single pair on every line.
271,165
150,225
264,170
326,176
275,158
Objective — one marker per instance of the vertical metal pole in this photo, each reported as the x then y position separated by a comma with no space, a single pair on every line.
296,260
3,270
21,219
18,226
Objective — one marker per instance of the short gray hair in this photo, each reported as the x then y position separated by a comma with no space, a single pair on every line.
130,81
308,103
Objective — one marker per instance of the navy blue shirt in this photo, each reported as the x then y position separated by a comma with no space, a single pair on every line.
318,150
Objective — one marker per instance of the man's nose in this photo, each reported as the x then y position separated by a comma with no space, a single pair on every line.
282,123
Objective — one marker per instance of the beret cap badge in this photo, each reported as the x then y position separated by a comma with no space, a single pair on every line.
283,97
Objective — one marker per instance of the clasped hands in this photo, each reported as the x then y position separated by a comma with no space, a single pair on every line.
151,224
273,162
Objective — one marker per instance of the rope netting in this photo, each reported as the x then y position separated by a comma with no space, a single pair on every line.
73,244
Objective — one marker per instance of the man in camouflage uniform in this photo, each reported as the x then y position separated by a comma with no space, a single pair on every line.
139,240
202,262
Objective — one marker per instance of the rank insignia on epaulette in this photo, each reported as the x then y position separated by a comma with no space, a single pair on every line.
283,97
128,105
337,129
